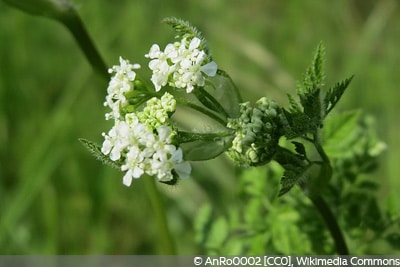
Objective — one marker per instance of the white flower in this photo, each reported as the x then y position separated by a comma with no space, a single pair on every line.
121,83
133,165
167,157
144,149
116,140
181,65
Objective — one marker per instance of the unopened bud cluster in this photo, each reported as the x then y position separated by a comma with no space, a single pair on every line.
256,133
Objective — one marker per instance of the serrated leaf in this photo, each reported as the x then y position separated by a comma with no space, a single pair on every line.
312,107
95,149
289,179
299,148
295,124
185,29
293,105
334,94
340,132
314,76
318,73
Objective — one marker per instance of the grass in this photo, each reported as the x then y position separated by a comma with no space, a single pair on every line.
56,199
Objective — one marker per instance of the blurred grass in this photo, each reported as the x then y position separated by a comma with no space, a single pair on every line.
56,199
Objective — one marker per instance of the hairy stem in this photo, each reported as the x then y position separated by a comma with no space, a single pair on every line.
322,206
167,242
331,223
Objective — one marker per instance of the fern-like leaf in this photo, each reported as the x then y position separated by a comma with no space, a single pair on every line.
318,73
289,179
334,94
315,75
96,151
185,29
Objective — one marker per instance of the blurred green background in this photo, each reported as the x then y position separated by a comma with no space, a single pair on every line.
55,198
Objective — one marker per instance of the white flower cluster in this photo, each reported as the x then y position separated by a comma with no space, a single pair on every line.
142,141
181,65
121,83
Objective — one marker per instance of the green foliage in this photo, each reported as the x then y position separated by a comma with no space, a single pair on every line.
306,117
205,147
257,222
334,94
95,149
185,30
51,173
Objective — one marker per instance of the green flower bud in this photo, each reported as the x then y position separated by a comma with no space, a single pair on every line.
47,8
257,132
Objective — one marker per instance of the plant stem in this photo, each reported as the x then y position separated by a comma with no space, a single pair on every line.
167,242
202,110
332,224
75,25
322,206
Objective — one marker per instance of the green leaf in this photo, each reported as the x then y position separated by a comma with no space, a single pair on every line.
222,88
206,149
185,29
295,124
314,76
218,234
300,149
317,73
312,107
334,94
202,224
340,133
290,178
294,107
95,149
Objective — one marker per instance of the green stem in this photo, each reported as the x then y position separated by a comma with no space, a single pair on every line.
322,206
320,149
73,22
186,137
167,242
75,25
332,224
209,101
202,110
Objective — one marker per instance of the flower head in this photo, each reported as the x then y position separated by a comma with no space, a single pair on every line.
181,65
256,133
120,84
142,142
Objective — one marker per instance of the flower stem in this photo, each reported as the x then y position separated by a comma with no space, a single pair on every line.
332,224
206,112
75,25
167,242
